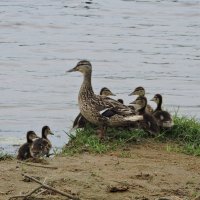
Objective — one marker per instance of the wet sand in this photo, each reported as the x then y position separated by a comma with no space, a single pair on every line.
148,171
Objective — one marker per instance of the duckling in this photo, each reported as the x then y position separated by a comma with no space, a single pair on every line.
140,91
80,121
24,150
148,123
164,119
106,92
41,146
92,106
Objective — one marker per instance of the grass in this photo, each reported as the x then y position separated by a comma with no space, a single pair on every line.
5,156
186,135
183,137
87,141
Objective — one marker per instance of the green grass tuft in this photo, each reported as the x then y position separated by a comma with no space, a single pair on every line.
5,156
186,133
183,137
86,140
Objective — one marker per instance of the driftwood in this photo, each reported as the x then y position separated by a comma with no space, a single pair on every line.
26,196
35,165
43,185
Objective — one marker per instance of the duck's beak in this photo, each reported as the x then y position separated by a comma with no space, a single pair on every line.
153,99
111,94
132,93
72,70
35,137
51,133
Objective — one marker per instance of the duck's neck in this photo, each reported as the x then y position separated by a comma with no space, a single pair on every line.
86,87
29,140
44,134
159,105
141,111
142,95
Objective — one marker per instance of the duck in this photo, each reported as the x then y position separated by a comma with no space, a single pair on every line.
24,150
92,106
42,146
164,118
149,123
140,91
80,121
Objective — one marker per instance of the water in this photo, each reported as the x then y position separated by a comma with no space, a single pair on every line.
152,43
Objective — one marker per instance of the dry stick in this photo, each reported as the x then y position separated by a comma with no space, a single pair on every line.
25,196
51,188
34,165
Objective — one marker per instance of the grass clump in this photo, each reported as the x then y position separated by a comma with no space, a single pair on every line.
184,137
86,140
5,156
186,134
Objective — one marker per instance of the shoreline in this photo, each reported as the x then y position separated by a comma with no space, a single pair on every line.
148,170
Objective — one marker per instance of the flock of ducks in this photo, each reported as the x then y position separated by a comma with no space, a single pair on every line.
103,111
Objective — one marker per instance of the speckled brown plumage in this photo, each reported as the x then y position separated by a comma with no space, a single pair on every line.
80,121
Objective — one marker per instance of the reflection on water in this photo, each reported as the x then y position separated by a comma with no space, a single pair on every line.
155,44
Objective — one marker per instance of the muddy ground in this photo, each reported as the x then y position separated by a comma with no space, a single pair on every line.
146,172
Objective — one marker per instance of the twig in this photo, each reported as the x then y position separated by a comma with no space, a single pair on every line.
34,165
128,139
69,135
25,196
51,188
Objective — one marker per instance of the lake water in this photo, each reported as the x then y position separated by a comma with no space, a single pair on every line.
152,43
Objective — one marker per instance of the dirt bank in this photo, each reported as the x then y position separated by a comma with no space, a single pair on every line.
148,171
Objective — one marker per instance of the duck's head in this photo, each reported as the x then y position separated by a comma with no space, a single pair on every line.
138,91
46,131
83,66
120,101
31,135
157,99
106,92
140,102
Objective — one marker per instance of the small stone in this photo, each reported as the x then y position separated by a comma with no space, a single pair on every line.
119,188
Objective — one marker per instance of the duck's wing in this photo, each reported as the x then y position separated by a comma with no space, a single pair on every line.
109,103
164,119
24,152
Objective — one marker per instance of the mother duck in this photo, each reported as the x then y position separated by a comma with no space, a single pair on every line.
92,106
